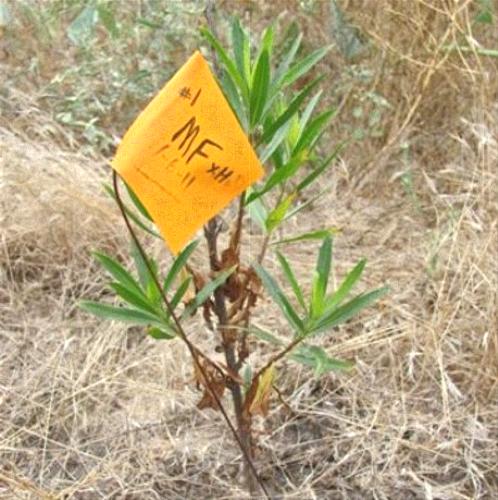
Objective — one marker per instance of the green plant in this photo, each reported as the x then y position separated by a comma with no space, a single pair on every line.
281,119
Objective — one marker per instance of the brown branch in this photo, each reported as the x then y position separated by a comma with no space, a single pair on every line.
211,231
287,406
237,233
264,247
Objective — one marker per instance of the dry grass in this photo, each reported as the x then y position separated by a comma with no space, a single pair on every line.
88,410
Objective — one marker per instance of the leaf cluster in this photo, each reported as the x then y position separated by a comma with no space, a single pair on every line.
282,119
321,312
279,113
141,301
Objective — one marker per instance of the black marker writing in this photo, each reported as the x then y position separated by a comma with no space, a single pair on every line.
195,98
188,179
161,149
219,174
185,93
190,132
199,151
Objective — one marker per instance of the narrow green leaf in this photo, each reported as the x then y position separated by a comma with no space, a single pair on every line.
180,293
149,24
265,335
288,38
291,278
133,298
138,204
208,290
228,63
309,179
487,52
313,131
267,39
120,313
286,60
279,176
153,293
280,299
241,49
118,272
321,277
148,282
297,209
317,358
477,50
275,142
334,299
257,211
302,67
276,216
277,157
348,310
140,265
161,333
266,45
178,264
130,213
247,376
313,235
290,111
231,93
293,135
308,111
259,88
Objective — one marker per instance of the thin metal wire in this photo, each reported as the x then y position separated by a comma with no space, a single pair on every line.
192,349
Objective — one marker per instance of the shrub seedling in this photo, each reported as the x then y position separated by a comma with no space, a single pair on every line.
280,118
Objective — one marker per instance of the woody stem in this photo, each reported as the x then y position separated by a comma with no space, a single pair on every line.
211,232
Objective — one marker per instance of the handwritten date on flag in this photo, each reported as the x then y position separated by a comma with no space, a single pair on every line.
186,156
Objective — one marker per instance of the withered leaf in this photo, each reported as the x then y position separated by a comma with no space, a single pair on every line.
258,397
215,383
229,258
207,400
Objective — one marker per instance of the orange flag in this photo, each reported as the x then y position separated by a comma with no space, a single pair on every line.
186,156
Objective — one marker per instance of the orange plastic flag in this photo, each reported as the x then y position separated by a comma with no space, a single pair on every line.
186,156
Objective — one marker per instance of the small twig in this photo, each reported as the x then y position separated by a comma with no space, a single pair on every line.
221,369
211,231
288,407
236,236
264,247
278,356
